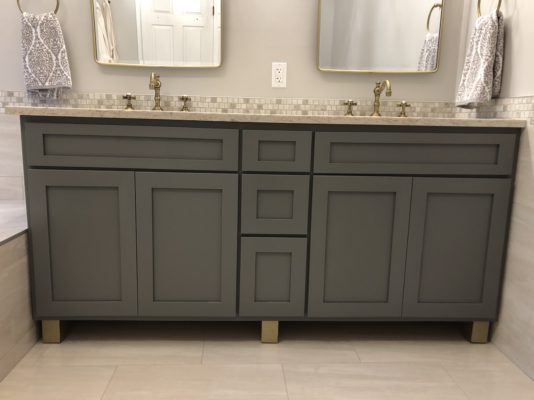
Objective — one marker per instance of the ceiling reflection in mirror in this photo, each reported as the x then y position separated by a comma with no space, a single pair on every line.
394,36
166,33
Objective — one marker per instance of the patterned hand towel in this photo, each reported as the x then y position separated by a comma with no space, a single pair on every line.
45,60
428,60
482,75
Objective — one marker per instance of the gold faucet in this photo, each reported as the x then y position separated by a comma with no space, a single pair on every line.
155,84
350,107
379,88
186,99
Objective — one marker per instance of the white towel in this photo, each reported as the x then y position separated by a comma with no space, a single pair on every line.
106,43
428,60
482,74
45,60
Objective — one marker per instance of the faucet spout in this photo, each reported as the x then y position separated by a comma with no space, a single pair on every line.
379,88
155,84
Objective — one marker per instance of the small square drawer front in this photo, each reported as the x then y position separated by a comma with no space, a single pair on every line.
408,153
277,151
273,277
275,204
131,146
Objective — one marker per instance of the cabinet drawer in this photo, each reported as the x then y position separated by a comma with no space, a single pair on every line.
414,153
276,151
273,277
128,146
275,204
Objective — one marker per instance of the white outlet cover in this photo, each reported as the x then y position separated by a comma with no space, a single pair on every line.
279,75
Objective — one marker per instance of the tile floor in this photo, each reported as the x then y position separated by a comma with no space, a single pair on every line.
12,219
212,361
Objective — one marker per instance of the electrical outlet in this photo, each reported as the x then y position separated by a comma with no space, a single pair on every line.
279,76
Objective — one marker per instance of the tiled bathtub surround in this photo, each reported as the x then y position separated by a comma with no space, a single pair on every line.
17,329
514,334
11,182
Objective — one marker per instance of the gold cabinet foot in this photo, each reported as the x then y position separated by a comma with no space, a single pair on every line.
53,331
269,331
479,331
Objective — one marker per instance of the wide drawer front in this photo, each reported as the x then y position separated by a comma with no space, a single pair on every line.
414,153
277,151
124,146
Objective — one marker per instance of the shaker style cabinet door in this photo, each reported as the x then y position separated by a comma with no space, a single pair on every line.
456,248
358,246
187,244
83,243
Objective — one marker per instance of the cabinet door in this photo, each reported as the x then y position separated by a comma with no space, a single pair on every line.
273,277
187,244
358,246
456,246
83,243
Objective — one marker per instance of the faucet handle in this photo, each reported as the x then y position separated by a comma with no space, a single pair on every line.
186,99
403,105
350,106
129,97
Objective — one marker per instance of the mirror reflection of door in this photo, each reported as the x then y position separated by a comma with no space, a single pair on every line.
179,32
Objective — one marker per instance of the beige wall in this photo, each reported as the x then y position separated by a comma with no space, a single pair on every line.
256,33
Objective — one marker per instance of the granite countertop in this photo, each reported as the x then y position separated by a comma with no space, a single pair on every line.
13,220
260,118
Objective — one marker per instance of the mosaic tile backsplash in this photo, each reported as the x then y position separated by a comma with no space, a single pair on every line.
521,107
245,105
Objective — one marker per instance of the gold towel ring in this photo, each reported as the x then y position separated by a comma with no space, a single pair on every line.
22,12
437,5
480,11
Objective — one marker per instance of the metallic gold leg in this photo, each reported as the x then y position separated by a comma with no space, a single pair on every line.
479,332
53,331
269,331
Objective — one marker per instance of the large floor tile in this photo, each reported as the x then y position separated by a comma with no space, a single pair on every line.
493,382
56,383
123,344
198,382
427,351
299,343
370,382
287,351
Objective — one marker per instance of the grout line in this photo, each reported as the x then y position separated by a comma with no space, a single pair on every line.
454,381
109,383
202,353
285,380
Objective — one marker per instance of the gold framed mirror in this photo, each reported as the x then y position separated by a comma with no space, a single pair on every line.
157,33
380,36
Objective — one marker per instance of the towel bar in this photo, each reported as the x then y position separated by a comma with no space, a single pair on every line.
480,11
22,12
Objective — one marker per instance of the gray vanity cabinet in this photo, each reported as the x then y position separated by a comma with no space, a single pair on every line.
83,243
456,246
191,220
358,246
187,244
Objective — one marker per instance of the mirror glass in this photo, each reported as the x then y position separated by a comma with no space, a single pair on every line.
400,36
167,33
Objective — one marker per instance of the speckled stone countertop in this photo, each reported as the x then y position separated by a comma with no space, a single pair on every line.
260,118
